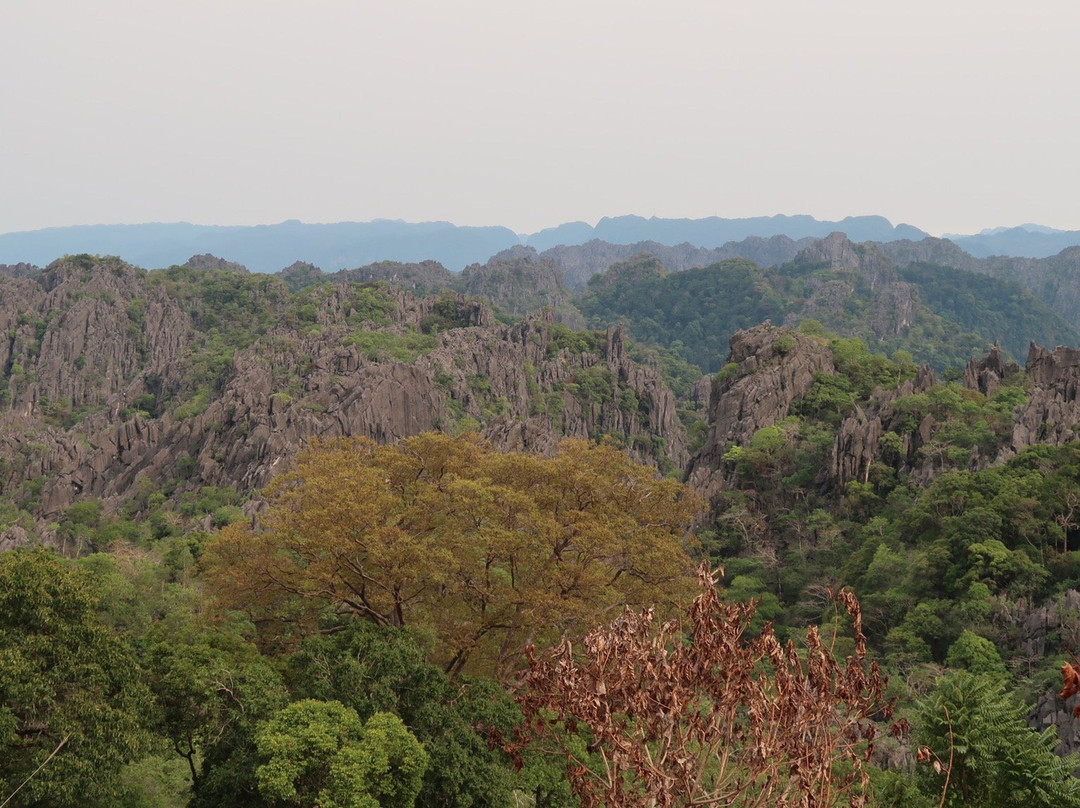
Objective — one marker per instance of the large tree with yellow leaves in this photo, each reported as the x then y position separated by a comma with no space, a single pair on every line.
492,551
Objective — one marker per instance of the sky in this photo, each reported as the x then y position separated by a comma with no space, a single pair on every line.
952,115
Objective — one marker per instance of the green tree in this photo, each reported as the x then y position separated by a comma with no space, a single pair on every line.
212,689
978,734
975,654
70,697
320,754
378,669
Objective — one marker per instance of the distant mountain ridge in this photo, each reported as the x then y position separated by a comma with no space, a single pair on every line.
581,249
1026,241
345,245
265,248
713,232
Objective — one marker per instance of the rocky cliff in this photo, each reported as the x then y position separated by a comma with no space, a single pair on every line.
94,348
768,370
858,443
863,272
1052,414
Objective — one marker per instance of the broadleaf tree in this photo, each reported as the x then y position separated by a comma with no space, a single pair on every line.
71,701
319,754
491,551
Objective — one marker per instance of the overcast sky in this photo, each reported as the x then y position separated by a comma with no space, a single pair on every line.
951,115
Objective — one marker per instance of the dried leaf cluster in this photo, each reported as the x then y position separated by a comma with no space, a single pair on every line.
1070,675
696,713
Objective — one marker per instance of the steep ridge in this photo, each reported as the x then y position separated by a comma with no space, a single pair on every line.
837,251
938,251
1054,279
893,304
942,316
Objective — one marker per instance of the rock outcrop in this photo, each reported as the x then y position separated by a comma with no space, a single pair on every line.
209,261
519,282
839,252
421,278
987,374
938,251
761,382
858,442
20,270
768,369
1052,414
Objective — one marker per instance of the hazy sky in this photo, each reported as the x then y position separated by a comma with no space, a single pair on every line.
952,115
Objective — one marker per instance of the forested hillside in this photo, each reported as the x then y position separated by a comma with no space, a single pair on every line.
940,315
292,539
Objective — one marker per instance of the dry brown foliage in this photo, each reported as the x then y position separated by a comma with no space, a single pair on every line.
696,714
1070,675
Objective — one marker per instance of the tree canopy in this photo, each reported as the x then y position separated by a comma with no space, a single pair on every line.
492,551
71,703
319,754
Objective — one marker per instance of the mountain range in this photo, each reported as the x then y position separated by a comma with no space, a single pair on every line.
268,248
1027,240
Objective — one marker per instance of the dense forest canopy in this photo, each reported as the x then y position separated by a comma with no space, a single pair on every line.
940,316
